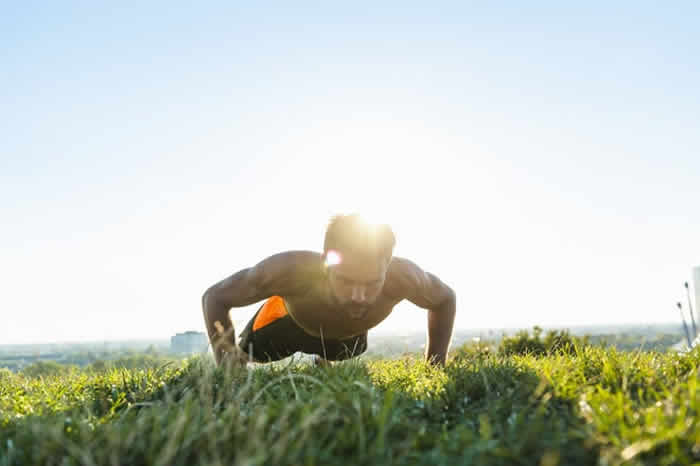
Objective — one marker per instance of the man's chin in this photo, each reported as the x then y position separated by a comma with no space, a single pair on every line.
356,313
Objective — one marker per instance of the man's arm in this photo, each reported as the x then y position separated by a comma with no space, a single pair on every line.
276,275
440,323
406,280
240,289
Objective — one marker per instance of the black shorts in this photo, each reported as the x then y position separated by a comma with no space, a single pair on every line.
272,335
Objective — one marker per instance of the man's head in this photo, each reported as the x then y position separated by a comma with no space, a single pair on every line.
357,255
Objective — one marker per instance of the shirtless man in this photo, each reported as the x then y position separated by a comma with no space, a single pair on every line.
324,304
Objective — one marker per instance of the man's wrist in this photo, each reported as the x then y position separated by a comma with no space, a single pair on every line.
235,356
436,358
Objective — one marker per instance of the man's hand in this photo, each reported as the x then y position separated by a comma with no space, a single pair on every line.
234,359
230,355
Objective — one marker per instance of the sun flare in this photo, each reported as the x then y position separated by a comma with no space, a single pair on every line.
333,258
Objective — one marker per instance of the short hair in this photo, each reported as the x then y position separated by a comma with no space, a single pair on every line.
351,234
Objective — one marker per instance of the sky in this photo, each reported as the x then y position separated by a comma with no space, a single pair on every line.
542,159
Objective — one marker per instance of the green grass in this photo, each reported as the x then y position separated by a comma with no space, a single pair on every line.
596,406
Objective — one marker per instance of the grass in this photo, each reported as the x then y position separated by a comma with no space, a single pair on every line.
597,406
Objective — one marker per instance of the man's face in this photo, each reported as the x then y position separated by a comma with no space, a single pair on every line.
355,282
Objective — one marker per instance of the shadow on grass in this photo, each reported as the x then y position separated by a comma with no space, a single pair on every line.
486,409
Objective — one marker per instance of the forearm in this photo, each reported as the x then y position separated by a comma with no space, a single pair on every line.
440,324
219,326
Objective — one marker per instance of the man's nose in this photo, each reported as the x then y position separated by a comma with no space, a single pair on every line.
358,294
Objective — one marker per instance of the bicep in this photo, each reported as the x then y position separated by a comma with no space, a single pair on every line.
275,275
422,288
239,289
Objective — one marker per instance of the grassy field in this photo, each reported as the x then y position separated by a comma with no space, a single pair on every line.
596,406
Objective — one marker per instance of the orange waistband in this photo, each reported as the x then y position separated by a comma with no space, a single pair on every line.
272,310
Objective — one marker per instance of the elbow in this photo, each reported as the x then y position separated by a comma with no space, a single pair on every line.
212,309
215,305
209,300
449,304
205,297
451,296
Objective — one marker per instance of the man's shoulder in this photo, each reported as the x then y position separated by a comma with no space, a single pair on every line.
292,260
289,268
400,266
406,280
400,277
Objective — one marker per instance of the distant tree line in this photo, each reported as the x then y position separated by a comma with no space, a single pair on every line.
129,360
539,343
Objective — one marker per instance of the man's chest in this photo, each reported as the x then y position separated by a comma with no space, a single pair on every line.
318,317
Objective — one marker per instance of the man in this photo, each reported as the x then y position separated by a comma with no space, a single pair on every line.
324,304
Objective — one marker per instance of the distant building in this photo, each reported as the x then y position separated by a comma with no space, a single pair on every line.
189,342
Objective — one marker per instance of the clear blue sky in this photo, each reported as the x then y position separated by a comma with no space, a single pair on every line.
543,160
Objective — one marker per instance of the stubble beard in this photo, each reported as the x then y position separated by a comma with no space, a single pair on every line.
354,311
357,312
